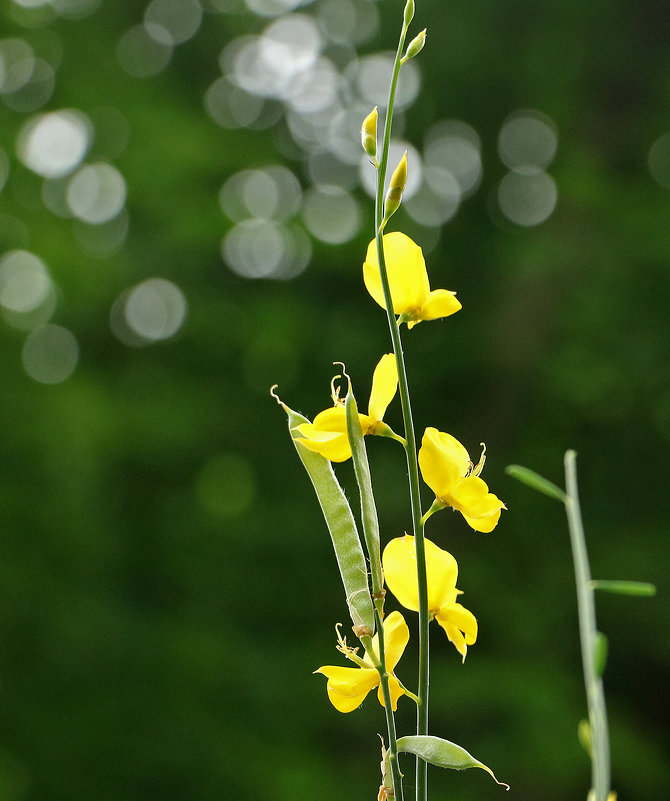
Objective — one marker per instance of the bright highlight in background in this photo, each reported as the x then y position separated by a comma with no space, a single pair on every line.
50,354
53,144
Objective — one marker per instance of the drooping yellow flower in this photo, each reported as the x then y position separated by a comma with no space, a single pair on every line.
328,436
447,469
412,297
399,562
348,687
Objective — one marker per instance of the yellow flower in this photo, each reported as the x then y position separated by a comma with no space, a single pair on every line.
448,471
347,687
399,562
408,281
327,435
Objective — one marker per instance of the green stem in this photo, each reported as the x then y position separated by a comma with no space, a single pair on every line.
388,707
588,634
410,439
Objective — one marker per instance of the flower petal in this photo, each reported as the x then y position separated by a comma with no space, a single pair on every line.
399,562
396,637
484,525
460,626
440,303
406,270
395,689
384,386
331,444
443,462
471,496
347,687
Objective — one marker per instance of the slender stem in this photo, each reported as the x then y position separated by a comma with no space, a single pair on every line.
588,633
388,708
410,439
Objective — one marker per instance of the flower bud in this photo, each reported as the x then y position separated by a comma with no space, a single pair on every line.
395,190
409,12
369,133
415,46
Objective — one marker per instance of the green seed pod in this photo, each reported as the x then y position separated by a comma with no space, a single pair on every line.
342,527
369,516
369,134
442,753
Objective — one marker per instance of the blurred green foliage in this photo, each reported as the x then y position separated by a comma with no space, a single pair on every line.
166,583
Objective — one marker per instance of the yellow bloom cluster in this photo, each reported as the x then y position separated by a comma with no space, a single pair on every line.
445,467
348,687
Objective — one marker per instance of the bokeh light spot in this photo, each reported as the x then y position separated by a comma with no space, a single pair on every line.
278,63
373,77
266,249
274,8
36,91
527,138
226,485
331,214
527,196
50,354
53,144
17,61
452,147
433,210
153,310
172,22
140,55
96,193
271,192
230,106
24,281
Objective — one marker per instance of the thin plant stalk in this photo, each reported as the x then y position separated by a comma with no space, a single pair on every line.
410,439
588,634
388,709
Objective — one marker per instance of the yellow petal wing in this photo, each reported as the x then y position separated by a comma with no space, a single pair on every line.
460,626
406,270
471,496
443,462
384,386
347,687
396,637
331,444
399,561
396,691
440,303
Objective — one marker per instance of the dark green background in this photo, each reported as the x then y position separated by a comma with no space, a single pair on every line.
154,646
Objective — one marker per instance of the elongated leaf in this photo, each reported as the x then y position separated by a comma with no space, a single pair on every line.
342,528
532,479
442,753
368,507
640,588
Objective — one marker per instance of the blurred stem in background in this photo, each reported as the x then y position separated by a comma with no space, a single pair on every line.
594,735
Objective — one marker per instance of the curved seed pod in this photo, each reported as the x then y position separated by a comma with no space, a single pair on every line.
368,508
442,753
342,528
